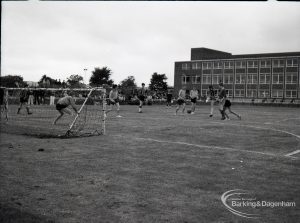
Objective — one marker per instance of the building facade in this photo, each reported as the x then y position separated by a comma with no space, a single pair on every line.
258,76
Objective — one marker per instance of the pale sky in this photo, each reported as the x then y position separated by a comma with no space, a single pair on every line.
136,38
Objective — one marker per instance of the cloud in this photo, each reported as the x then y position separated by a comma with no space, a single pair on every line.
137,38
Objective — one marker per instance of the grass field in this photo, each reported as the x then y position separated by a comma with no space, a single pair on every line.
153,167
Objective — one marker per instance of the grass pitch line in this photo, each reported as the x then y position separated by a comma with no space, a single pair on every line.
287,119
257,127
292,153
200,146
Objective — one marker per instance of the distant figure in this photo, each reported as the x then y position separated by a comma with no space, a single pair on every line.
24,101
36,96
114,100
42,93
141,96
52,97
63,104
169,98
30,97
181,100
194,96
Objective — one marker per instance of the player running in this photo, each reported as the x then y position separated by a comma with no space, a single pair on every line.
194,96
24,101
114,100
181,100
63,104
212,98
141,96
227,105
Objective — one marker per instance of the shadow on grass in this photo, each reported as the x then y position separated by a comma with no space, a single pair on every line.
10,214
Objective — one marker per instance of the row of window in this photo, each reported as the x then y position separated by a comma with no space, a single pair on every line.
293,62
290,78
261,93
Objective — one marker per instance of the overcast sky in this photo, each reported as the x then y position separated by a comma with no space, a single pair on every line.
137,38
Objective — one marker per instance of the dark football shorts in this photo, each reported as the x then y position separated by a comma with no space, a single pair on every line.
60,107
227,103
194,100
142,98
180,101
23,100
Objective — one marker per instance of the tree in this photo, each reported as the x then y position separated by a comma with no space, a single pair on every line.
75,81
128,82
45,81
158,83
101,76
12,81
127,86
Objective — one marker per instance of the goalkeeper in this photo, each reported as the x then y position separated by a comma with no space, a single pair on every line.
63,104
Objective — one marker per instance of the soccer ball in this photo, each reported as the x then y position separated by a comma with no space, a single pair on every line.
189,111
207,100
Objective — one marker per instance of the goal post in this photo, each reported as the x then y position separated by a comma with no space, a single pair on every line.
35,116
79,114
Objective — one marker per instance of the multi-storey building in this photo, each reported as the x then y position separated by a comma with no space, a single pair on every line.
259,76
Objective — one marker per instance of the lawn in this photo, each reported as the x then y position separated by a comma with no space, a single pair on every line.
153,167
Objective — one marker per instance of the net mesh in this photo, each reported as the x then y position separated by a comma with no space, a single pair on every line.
41,103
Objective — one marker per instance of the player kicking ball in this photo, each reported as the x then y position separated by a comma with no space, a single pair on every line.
63,104
227,105
114,100
181,100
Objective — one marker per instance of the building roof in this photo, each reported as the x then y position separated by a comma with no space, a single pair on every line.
267,55
203,53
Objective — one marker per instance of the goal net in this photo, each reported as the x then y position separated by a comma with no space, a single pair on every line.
32,111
